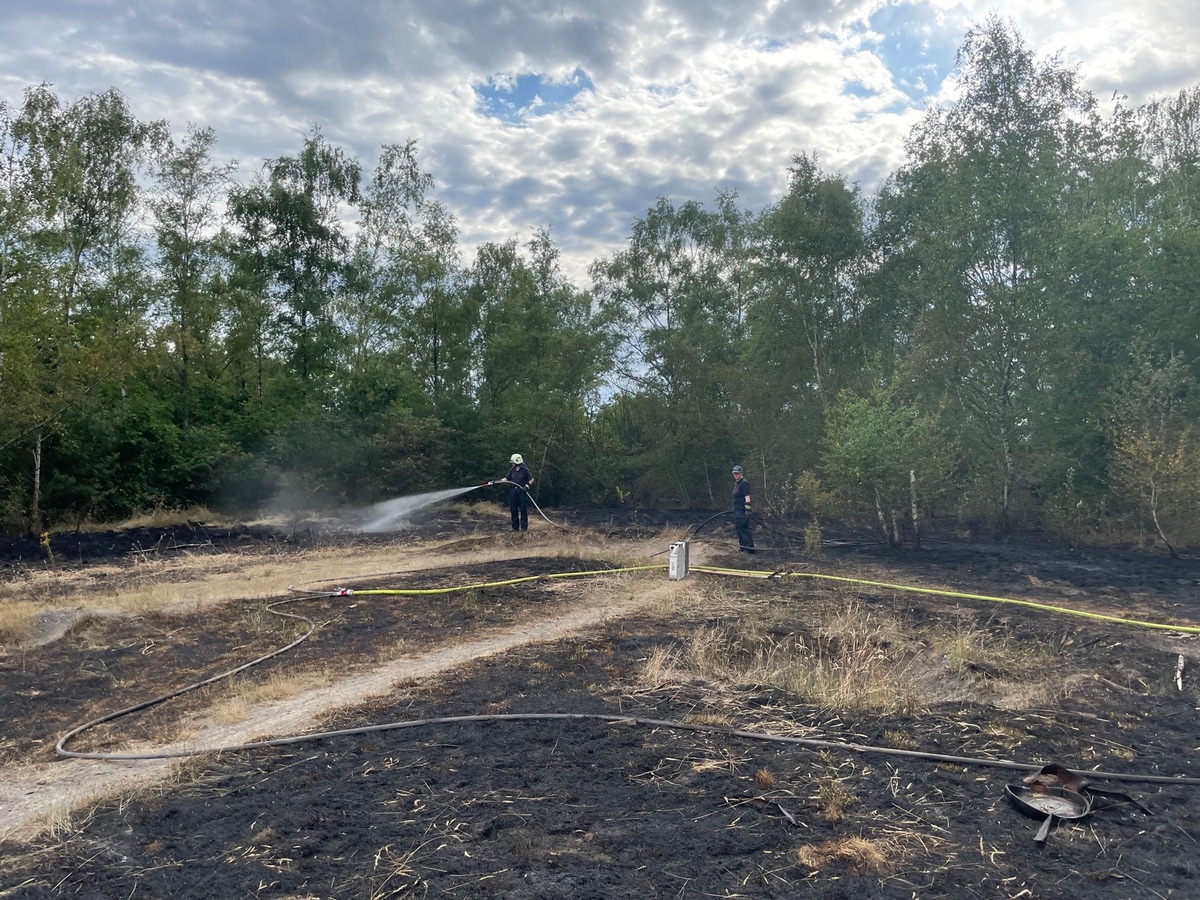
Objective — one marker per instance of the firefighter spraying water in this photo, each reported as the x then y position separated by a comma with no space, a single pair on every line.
520,477
391,514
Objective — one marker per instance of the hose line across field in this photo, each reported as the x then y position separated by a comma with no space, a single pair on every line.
351,592
611,719
957,595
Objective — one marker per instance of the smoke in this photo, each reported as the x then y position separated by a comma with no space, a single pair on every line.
390,514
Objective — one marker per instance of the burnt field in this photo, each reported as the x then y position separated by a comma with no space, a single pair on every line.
826,732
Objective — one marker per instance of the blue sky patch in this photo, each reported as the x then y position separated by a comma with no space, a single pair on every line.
514,98
916,51
764,44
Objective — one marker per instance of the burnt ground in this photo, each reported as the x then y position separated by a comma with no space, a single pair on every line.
583,808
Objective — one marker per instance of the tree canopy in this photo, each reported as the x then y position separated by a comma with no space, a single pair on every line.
1007,330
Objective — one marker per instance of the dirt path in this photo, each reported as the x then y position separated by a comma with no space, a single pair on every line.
35,798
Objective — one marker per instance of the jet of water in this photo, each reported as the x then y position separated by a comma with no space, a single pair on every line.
390,514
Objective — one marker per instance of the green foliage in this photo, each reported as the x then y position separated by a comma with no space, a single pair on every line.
809,495
293,251
1160,478
329,465
313,335
875,447
542,351
804,318
12,512
675,295
1156,465
189,187
81,164
973,226
805,494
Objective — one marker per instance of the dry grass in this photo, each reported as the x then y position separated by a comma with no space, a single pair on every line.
836,651
1016,673
394,872
835,799
882,855
180,583
17,621
710,716
245,696
158,517
65,820
901,740
961,647
660,669
812,540
682,597
850,657
860,856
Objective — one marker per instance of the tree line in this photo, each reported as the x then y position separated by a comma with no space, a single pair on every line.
1007,331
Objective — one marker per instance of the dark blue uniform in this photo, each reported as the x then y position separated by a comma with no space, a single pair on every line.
741,515
518,498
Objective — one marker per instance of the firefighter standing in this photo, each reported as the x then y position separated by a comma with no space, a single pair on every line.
741,511
518,498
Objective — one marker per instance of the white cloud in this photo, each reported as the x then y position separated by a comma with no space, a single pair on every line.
686,96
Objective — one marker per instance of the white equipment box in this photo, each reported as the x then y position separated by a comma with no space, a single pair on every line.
678,565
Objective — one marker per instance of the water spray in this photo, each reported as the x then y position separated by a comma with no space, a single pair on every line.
388,514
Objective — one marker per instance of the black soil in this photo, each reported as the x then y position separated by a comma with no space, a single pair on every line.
578,808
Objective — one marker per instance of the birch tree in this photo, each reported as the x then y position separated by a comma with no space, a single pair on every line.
976,220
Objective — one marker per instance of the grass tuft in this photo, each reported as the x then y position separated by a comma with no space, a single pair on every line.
835,799
764,779
852,660
857,855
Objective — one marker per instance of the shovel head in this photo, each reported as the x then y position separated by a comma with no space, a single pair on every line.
1044,831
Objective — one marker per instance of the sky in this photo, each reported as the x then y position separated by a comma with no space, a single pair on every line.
571,116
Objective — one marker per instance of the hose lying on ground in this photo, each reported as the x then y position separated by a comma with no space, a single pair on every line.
613,719
957,595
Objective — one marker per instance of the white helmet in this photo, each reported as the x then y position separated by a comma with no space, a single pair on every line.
516,459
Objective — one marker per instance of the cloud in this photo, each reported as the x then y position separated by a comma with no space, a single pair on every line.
568,115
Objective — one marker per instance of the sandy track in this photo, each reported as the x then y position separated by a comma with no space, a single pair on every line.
32,798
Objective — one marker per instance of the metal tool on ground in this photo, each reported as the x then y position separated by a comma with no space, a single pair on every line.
1051,802
1055,792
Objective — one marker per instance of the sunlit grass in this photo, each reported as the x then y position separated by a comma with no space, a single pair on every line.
17,619
860,856
244,696
158,517
185,582
848,657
